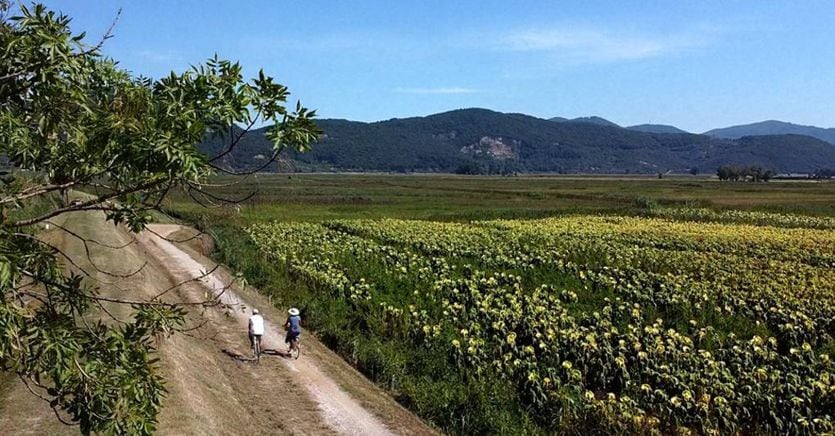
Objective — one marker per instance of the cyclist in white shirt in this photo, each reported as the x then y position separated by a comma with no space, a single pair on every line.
256,327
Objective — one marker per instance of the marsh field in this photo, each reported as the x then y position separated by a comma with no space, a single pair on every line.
557,304
312,197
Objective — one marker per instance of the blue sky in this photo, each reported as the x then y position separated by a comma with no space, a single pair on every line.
693,64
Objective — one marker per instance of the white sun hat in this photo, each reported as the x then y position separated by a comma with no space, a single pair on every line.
293,311
255,311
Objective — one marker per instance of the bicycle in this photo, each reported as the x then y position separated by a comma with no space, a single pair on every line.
256,347
295,348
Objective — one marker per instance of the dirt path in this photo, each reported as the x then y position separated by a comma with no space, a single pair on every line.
210,392
338,409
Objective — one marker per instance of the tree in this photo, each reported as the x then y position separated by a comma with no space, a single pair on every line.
752,173
71,119
824,173
470,168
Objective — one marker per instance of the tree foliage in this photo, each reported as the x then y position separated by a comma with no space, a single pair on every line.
751,173
824,173
71,119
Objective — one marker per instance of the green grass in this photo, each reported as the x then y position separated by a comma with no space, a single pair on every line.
34,207
316,197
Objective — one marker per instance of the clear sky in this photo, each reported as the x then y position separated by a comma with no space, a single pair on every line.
693,64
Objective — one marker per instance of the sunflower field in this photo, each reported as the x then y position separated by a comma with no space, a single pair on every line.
682,323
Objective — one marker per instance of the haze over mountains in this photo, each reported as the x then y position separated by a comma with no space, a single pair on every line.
482,141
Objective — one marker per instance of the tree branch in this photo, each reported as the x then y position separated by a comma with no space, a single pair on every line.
210,302
101,244
234,143
87,205
184,282
89,258
173,241
107,35
54,409
44,189
222,199
244,173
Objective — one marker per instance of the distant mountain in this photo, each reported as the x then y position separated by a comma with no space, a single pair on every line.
590,120
773,127
656,128
787,153
479,141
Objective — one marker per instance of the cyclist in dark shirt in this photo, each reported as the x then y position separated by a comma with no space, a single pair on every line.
293,326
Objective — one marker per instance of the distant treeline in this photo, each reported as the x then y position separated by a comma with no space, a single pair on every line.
488,168
824,173
745,173
755,173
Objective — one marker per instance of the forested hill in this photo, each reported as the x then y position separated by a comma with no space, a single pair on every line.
479,141
773,127
656,128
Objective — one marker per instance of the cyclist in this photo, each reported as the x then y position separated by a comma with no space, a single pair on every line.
293,326
256,328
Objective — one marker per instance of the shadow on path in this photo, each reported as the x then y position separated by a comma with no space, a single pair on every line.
249,358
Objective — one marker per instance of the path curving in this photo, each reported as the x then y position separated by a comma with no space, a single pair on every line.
339,410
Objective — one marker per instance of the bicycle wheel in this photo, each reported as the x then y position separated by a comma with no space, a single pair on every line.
296,349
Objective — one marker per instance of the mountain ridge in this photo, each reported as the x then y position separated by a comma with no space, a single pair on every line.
656,128
483,141
770,127
591,119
